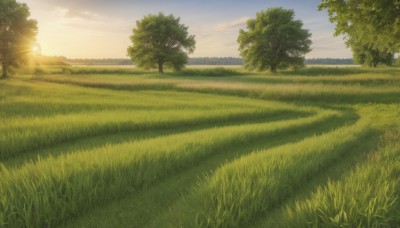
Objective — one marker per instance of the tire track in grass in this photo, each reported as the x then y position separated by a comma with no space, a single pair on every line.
69,128
367,197
50,191
24,134
239,191
184,213
90,143
151,206
277,217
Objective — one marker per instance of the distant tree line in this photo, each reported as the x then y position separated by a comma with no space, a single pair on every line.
328,61
215,61
107,61
191,61
239,61
61,60
51,60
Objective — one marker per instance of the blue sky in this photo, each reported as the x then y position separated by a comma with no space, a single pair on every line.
101,28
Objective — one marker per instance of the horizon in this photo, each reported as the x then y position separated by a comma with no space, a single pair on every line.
190,57
100,29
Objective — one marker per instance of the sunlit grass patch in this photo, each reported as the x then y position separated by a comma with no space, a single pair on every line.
367,197
240,190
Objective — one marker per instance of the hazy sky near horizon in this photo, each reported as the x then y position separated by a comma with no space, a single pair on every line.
101,28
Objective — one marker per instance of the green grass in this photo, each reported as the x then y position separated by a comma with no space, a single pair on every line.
355,88
132,166
70,120
173,187
258,182
326,71
367,197
204,147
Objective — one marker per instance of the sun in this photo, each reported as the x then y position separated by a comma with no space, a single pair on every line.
36,50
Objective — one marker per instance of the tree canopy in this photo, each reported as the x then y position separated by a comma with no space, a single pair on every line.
159,39
17,34
364,55
371,23
274,39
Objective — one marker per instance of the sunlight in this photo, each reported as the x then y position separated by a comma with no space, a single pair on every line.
36,49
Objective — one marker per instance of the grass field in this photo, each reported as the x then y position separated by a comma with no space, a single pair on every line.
107,147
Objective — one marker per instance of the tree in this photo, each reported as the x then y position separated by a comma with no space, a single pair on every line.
371,23
158,40
274,39
366,56
17,34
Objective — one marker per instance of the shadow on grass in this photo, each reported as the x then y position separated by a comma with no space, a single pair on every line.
322,71
90,142
338,169
209,72
102,70
307,71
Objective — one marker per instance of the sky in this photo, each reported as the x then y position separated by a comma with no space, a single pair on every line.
101,28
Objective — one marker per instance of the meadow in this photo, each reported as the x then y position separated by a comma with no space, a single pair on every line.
206,147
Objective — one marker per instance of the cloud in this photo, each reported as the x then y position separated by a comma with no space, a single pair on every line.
241,22
59,11
84,19
71,14
218,39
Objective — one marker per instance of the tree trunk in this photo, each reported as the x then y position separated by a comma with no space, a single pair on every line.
4,66
273,68
160,67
